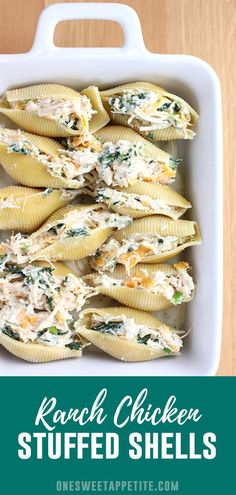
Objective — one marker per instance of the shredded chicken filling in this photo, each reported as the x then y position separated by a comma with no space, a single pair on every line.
177,287
36,306
131,251
69,165
123,327
154,110
75,224
124,163
112,198
74,114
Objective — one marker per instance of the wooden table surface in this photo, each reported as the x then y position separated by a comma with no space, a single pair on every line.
205,28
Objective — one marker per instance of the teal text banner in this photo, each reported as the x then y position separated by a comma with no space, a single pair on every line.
117,435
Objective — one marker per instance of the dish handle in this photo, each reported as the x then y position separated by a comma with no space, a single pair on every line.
122,14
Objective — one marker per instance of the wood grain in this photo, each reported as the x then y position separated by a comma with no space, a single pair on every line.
205,28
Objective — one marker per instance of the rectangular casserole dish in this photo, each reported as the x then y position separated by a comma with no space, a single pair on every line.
195,81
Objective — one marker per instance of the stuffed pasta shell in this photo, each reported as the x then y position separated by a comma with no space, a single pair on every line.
143,199
25,209
128,334
149,287
151,110
55,110
37,311
71,233
37,161
150,240
123,157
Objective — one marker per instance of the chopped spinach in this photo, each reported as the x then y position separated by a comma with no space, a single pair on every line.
164,107
110,327
17,148
176,108
2,259
29,280
48,269
7,330
143,340
50,300
174,162
75,126
14,269
77,232
76,345
152,136
98,253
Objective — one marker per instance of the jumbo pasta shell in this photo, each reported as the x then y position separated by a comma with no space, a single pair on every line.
28,208
36,353
70,248
156,135
137,298
119,348
45,126
31,172
101,117
165,194
163,226
39,353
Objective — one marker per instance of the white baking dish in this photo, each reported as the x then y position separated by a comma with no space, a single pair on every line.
195,81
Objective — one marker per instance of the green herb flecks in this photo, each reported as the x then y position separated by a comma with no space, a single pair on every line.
177,298
167,350
25,248
53,330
